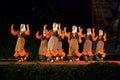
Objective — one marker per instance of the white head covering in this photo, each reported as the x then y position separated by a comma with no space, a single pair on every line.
88,31
22,27
100,32
55,26
74,29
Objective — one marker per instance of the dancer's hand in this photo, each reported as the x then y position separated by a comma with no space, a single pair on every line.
37,32
65,29
27,26
12,26
104,34
93,29
80,29
59,25
45,27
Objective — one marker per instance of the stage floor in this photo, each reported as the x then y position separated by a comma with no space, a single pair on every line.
56,62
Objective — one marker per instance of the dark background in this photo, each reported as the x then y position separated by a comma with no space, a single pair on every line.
67,12
36,13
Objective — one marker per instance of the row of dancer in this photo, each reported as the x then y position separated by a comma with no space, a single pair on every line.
51,43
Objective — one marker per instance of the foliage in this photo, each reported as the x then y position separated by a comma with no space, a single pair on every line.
93,71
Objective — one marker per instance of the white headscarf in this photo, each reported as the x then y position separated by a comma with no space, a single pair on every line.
100,32
22,27
55,26
88,31
74,29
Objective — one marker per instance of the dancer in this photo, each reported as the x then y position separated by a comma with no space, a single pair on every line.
73,39
61,35
44,43
19,49
87,46
52,43
100,54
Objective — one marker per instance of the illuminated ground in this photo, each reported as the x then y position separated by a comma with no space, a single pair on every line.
55,63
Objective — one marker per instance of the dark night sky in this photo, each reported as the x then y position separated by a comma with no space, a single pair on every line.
39,12
68,12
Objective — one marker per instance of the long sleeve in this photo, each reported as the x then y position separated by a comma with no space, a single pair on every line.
27,32
47,33
94,38
80,34
104,38
38,36
14,32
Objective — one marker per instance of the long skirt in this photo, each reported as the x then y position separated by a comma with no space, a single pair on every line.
52,46
20,44
87,47
59,45
43,47
100,46
74,48
19,48
52,43
60,49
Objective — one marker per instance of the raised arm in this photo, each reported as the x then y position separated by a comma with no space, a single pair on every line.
80,32
60,32
65,32
46,33
94,38
13,31
37,35
27,32
104,37
68,37
59,29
